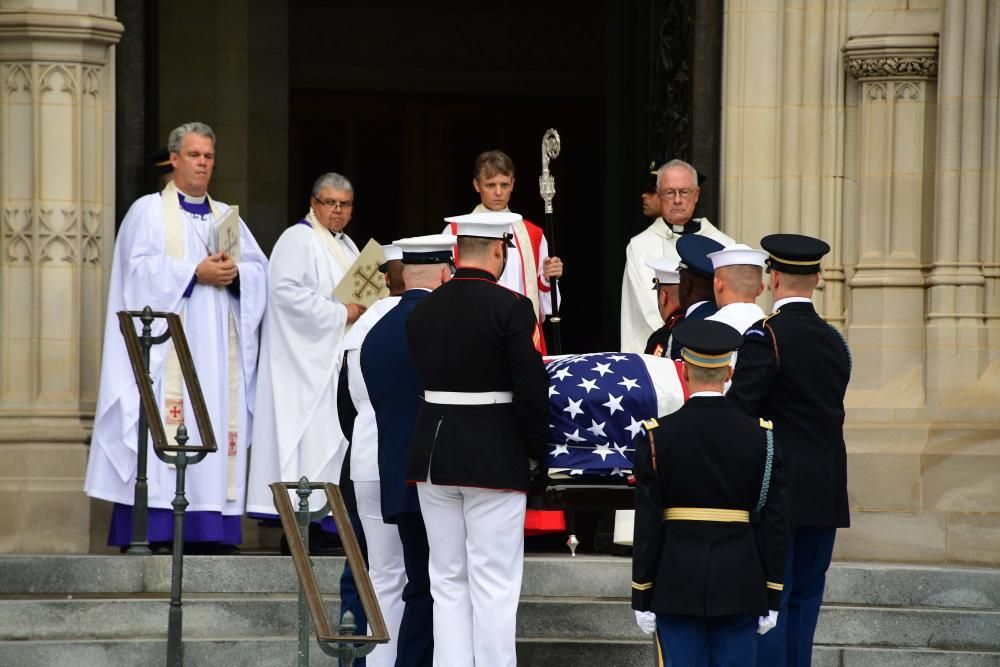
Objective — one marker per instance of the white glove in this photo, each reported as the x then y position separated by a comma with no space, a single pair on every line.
765,623
646,621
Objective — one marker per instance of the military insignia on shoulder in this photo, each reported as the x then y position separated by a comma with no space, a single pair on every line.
658,350
650,424
766,423
755,332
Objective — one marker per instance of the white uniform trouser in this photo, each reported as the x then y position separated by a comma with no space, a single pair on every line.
476,539
385,567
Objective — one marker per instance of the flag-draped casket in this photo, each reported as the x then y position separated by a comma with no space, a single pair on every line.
597,403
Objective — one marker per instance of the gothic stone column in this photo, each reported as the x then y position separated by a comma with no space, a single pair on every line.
895,207
57,130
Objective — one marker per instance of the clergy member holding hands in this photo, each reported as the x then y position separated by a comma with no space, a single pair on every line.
165,258
297,431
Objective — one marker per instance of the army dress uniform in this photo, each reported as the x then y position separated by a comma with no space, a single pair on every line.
485,412
707,482
793,370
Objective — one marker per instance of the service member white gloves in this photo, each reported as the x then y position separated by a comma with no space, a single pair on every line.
646,621
765,623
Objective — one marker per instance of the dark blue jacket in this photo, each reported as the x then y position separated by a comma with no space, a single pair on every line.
396,394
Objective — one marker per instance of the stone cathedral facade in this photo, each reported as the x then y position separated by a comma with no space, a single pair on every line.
874,124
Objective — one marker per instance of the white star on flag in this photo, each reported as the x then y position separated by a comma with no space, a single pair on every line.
616,357
597,429
614,404
574,408
635,428
603,451
617,472
588,384
552,391
562,373
621,449
602,369
560,449
574,436
628,383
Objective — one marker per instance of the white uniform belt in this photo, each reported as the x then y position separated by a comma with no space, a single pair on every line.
468,397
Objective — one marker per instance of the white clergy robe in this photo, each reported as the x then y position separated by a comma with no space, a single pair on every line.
640,316
143,274
297,432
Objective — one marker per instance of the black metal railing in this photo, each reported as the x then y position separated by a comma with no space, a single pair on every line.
346,645
179,455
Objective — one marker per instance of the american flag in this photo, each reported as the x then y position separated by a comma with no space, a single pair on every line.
597,403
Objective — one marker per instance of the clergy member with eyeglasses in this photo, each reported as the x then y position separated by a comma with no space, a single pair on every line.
677,187
297,431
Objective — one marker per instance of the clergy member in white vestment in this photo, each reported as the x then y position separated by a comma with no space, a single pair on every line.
164,259
677,186
529,267
385,551
297,431
738,281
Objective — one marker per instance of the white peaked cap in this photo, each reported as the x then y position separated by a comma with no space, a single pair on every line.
737,253
392,251
490,224
430,249
665,270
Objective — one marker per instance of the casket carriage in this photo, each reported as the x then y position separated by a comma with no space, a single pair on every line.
597,403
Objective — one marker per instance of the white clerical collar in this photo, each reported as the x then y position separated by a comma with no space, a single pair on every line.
191,199
705,393
791,299
482,209
692,307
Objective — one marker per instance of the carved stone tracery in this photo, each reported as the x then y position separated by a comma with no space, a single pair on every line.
907,57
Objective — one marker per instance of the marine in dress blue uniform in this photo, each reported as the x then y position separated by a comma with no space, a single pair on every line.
706,478
793,369
485,412
395,390
666,281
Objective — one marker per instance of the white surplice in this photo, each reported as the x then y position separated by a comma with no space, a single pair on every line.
296,431
640,314
142,274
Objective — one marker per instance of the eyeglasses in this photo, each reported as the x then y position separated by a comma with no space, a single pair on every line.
334,203
670,194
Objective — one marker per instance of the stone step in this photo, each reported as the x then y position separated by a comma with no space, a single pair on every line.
888,585
280,652
250,615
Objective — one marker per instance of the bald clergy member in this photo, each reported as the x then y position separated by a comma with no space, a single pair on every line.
297,431
678,191
484,413
165,259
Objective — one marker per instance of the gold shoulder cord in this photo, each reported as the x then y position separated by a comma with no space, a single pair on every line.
650,425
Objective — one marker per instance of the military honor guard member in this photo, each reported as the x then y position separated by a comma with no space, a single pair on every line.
737,284
384,551
297,431
695,289
165,257
666,281
711,517
678,190
395,389
485,412
793,369
528,266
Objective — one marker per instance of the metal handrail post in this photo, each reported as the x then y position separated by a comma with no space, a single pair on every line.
139,544
303,516
175,621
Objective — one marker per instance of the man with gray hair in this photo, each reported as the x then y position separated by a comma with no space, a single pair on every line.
297,431
677,188
166,257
